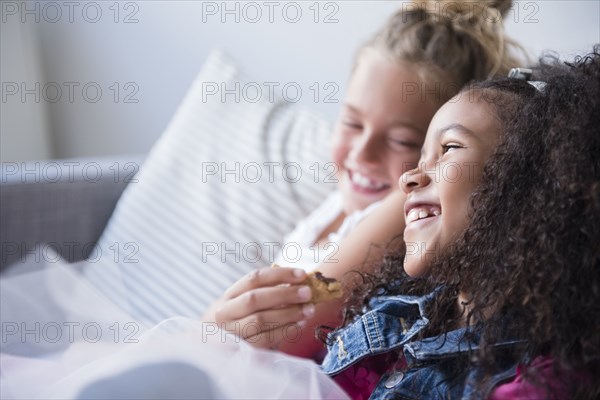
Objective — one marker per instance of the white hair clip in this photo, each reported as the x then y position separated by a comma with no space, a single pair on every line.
525,74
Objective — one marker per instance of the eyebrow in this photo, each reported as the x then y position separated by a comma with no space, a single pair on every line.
351,108
458,127
393,123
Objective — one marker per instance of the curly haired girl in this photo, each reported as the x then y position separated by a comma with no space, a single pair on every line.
501,272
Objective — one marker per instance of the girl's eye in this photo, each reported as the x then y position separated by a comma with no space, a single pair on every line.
352,125
449,147
404,143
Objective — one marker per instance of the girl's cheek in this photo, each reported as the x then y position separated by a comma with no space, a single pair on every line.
339,149
338,156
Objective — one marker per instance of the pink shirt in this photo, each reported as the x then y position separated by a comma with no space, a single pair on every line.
553,384
360,379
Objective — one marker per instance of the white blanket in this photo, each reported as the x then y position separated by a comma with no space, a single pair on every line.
61,339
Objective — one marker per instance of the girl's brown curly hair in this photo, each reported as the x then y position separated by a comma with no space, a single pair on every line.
529,259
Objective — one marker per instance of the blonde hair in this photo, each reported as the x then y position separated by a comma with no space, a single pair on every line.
456,41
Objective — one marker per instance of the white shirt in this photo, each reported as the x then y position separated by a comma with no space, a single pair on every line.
299,250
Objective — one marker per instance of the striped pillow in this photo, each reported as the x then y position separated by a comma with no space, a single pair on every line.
214,198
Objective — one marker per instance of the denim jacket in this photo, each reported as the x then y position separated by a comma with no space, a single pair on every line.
391,324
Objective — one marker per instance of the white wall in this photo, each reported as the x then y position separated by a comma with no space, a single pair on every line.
24,128
163,47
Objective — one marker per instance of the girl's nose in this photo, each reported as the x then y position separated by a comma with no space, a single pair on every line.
413,179
366,149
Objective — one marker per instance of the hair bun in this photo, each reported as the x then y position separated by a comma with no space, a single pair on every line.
468,7
503,6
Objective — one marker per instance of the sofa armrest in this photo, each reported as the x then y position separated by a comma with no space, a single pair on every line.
60,205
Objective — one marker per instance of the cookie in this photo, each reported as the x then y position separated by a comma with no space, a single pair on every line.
323,288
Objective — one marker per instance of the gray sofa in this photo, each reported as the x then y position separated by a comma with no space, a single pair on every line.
59,204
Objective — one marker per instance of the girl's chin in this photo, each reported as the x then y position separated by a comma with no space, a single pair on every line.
415,266
420,250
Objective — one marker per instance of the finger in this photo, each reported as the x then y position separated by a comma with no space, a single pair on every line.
274,338
264,277
262,299
266,321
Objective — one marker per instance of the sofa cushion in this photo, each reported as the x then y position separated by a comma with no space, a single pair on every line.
232,173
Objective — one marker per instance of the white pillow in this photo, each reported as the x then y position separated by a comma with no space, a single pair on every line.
188,228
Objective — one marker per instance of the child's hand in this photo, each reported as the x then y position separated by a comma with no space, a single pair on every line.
263,306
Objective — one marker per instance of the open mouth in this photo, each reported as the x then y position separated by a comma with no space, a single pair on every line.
364,184
422,212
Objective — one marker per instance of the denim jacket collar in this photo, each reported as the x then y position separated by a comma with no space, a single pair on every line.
392,322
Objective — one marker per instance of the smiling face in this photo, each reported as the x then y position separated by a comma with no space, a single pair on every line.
381,129
462,136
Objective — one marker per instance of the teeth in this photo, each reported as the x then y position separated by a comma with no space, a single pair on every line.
421,213
363,181
413,215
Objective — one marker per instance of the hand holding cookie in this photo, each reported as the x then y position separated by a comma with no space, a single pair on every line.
262,305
